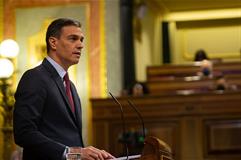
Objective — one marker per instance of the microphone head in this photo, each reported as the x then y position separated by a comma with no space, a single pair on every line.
116,101
111,95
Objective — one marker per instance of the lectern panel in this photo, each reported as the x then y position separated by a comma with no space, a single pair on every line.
223,136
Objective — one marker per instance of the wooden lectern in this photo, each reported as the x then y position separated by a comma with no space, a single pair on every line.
155,149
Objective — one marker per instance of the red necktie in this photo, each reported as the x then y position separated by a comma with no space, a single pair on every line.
68,91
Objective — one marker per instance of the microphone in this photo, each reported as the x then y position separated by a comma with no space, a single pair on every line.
123,123
139,116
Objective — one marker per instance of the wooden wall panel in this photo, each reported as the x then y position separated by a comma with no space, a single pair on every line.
223,136
193,125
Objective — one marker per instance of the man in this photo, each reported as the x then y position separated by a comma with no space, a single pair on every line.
47,114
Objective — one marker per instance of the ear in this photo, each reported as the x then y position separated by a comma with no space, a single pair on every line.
53,42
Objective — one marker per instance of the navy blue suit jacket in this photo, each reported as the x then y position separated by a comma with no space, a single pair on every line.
43,121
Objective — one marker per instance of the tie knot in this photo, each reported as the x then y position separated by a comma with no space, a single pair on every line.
66,77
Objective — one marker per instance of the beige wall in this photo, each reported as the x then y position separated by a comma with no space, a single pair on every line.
147,30
216,31
101,43
220,36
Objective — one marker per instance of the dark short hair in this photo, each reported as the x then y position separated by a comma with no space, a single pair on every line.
54,29
200,55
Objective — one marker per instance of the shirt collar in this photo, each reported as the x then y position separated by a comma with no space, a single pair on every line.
58,68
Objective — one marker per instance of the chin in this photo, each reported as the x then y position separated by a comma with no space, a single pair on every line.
76,61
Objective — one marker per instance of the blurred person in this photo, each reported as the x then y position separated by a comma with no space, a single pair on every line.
221,84
16,154
47,113
200,55
206,69
139,89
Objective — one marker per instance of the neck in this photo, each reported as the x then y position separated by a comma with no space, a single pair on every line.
58,60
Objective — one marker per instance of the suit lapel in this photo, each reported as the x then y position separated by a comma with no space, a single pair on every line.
78,112
60,85
76,118
59,82
77,105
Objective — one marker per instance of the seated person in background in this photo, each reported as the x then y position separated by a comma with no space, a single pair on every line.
200,55
206,69
222,84
17,154
138,89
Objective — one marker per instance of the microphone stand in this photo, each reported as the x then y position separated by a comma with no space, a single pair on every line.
139,116
123,123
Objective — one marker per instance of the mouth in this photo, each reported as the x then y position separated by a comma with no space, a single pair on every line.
78,53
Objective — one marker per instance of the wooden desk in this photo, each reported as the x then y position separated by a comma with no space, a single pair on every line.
204,84
170,71
196,126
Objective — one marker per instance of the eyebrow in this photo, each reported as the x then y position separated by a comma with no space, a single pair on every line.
76,36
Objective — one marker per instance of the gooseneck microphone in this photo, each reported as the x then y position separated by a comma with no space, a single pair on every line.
139,116
123,123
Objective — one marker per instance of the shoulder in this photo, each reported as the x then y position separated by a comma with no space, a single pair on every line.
42,71
35,74
34,79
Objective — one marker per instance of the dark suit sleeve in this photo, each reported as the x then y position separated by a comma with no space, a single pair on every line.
30,102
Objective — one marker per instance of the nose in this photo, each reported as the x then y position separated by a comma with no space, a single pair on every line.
80,45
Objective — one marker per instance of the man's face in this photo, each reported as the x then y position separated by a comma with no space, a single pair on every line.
68,46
